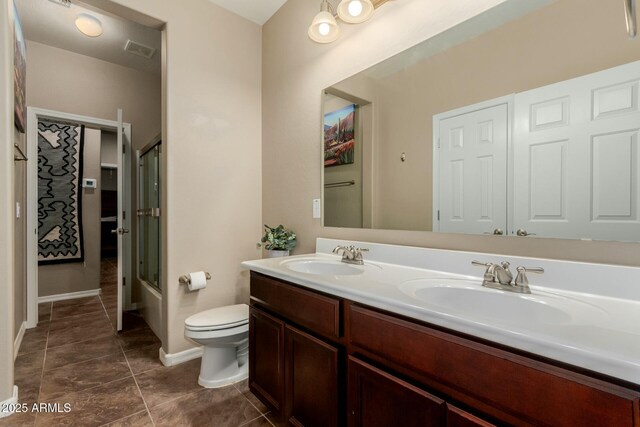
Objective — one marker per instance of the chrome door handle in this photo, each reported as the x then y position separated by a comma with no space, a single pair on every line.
523,233
496,232
120,231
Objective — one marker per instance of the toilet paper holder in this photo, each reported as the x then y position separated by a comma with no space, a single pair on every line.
185,280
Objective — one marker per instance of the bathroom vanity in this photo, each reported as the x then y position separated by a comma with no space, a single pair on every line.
334,344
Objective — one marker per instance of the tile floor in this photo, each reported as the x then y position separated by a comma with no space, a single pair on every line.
115,379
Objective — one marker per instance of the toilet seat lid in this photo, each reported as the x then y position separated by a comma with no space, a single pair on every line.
227,316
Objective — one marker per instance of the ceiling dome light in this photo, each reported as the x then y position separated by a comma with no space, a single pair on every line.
324,28
355,11
89,25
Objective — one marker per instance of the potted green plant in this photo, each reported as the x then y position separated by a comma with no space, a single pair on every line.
278,241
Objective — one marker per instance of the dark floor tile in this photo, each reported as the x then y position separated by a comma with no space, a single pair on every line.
162,385
137,338
109,294
141,419
34,339
144,359
19,419
259,422
243,387
275,420
215,407
81,319
86,328
82,376
80,352
29,388
29,364
132,321
76,302
75,310
97,406
44,311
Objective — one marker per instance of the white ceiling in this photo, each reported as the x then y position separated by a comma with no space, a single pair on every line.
258,11
49,23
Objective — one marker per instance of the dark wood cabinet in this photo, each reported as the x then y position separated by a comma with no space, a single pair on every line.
318,360
458,418
378,399
311,380
266,358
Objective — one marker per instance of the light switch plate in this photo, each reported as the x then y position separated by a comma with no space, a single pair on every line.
316,208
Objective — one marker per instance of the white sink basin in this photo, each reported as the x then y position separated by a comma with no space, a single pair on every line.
322,268
469,299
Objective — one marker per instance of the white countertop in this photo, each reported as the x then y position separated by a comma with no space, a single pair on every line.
608,342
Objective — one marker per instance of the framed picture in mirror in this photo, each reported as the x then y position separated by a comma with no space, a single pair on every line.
339,136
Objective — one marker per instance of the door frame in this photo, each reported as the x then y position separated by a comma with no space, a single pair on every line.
33,114
507,100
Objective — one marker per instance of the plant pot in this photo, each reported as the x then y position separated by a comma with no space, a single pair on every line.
273,253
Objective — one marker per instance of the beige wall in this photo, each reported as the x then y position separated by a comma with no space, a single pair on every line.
7,224
212,192
70,277
291,87
72,83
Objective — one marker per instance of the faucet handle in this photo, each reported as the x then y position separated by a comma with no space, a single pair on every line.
521,278
490,272
482,264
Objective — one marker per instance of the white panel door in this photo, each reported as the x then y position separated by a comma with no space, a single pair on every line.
472,176
576,157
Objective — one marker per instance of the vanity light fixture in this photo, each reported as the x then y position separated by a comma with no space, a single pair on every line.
89,25
355,11
324,28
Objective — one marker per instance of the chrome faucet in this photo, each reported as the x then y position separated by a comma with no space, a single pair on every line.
350,254
499,276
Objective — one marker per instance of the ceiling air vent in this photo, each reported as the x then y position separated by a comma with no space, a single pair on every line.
139,49
65,3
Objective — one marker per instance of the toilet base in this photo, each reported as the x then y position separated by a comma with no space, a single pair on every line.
222,366
243,374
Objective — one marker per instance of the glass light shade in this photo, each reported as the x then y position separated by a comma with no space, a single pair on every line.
348,11
89,25
324,28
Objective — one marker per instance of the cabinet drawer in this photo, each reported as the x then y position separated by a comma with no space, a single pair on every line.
509,387
311,310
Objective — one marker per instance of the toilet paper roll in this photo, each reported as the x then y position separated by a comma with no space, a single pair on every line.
197,280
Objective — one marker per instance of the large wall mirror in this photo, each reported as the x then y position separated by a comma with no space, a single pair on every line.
522,121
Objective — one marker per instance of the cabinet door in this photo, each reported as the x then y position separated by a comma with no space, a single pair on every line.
456,417
376,398
312,380
266,358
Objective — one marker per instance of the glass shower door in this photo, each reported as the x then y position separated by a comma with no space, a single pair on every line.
149,216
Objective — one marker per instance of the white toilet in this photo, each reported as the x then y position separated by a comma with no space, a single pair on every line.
224,334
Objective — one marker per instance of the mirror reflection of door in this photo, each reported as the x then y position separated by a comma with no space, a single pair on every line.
576,157
472,165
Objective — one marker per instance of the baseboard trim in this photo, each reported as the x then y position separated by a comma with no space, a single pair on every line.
180,357
9,403
18,341
70,295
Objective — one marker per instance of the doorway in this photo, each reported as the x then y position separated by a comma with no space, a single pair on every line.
44,130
